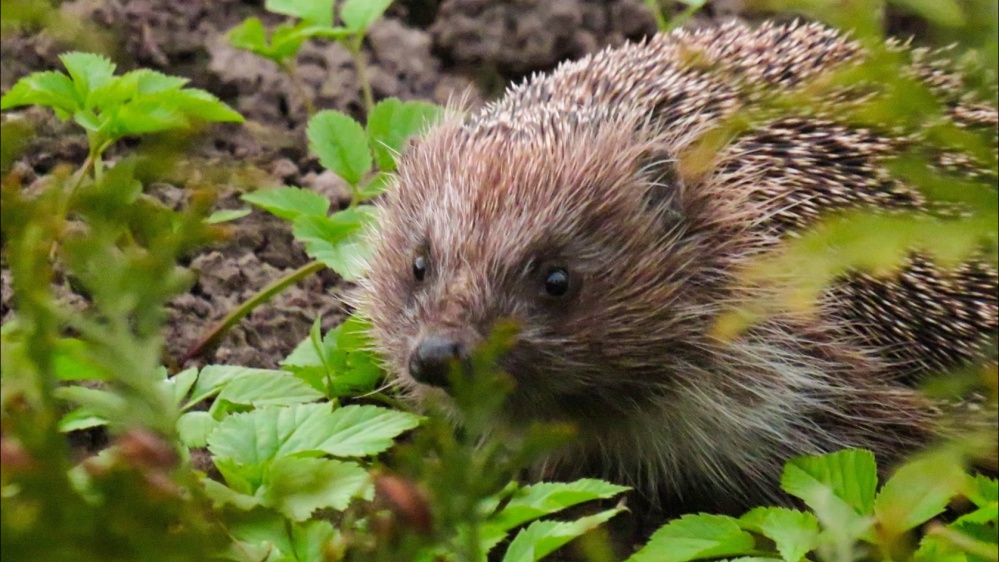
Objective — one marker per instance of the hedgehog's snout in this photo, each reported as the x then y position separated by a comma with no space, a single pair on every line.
430,362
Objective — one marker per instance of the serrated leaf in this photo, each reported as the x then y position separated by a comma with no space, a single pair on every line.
193,428
392,122
917,492
289,202
268,388
985,491
341,145
268,433
313,11
795,533
339,240
298,486
358,15
89,72
149,81
199,105
850,476
249,35
212,378
222,495
546,498
541,538
696,536
47,89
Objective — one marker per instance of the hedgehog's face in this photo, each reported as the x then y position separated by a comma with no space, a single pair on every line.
563,236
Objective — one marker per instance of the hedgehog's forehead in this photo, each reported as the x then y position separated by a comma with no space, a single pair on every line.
508,161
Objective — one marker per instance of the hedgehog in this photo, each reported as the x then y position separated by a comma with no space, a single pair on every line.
565,207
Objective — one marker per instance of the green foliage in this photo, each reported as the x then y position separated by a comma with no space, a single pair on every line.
314,461
111,107
315,22
121,249
351,151
850,519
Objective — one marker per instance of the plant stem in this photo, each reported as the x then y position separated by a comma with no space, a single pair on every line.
290,69
215,334
362,72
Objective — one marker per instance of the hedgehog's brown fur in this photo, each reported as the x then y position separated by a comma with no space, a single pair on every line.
579,168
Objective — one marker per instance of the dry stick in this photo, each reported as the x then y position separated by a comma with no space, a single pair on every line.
213,337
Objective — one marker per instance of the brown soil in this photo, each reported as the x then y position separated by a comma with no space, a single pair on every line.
423,49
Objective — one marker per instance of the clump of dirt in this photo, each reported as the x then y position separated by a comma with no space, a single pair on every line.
431,61
516,38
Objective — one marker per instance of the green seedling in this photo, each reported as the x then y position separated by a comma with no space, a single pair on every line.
112,107
315,21
849,516
364,157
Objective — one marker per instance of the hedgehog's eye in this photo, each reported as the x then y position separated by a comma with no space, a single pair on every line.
420,267
557,282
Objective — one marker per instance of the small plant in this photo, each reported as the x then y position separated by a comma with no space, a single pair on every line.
112,107
850,519
315,21
364,158
120,249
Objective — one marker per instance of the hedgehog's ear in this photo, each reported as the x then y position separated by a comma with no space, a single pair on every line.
664,188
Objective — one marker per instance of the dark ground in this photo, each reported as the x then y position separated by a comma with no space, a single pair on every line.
421,50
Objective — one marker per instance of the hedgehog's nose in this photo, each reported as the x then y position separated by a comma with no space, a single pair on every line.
431,361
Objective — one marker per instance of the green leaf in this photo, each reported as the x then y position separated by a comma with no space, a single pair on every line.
89,72
546,498
226,215
917,492
341,145
541,538
940,12
313,11
289,202
80,418
250,35
377,185
268,433
101,403
199,105
213,377
339,241
48,89
696,536
392,122
848,478
193,428
358,15
985,491
795,533
268,388
71,361
151,82
298,486
180,384
143,116
222,495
